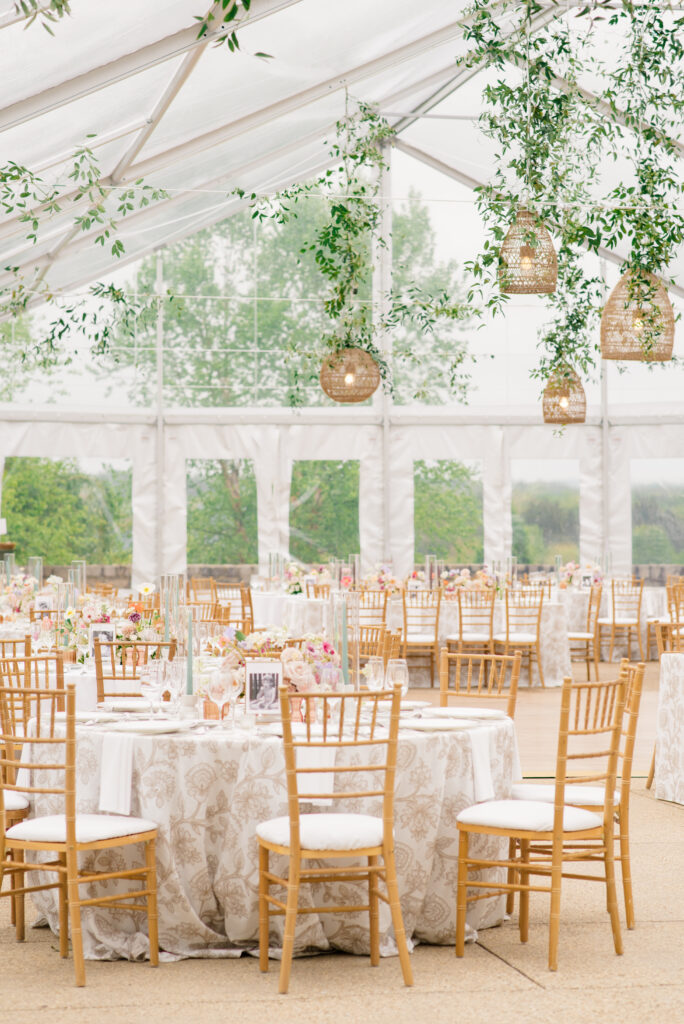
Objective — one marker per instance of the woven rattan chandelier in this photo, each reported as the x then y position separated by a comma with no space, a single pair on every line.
625,324
351,375
564,400
528,264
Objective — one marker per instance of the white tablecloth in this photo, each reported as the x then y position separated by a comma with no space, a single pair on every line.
208,792
669,759
294,612
576,600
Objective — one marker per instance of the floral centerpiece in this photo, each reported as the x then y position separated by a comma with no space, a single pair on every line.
18,595
454,580
294,576
572,574
222,673
381,579
304,667
264,642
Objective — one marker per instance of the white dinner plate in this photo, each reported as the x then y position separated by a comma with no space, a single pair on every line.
438,724
149,726
126,704
90,716
461,712
414,705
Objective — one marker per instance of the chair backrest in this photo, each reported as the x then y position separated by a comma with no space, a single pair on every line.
594,607
42,613
121,660
221,613
391,645
51,769
359,727
16,648
523,611
480,677
371,641
320,591
37,672
669,637
373,607
590,728
421,612
475,612
626,597
227,591
634,678
675,599
203,588
247,609
202,611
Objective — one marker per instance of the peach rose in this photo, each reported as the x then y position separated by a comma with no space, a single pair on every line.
301,675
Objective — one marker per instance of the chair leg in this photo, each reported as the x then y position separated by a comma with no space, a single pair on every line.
290,924
641,646
63,913
612,643
651,770
554,921
524,914
263,909
75,917
397,919
373,913
626,868
19,901
461,892
152,913
512,877
540,670
612,894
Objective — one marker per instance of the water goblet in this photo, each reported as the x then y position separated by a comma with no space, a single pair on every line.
220,690
397,672
374,672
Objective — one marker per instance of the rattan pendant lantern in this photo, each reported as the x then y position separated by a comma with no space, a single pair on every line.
351,375
528,264
564,400
624,323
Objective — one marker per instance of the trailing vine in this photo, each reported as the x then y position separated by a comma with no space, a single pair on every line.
342,251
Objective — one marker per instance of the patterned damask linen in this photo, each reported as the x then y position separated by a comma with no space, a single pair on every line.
669,758
207,792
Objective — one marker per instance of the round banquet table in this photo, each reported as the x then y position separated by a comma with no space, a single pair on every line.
296,613
208,790
669,749
576,603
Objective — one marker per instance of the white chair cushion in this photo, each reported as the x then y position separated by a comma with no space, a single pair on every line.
469,637
619,622
516,638
581,796
527,815
15,801
90,828
580,636
421,638
325,831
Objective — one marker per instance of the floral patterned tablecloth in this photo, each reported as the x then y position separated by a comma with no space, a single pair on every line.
669,756
208,791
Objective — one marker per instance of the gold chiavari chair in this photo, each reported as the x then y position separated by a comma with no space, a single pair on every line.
41,613
238,597
674,590
391,645
584,644
373,607
328,837
371,641
118,664
590,725
421,625
202,611
591,797
523,628
481,677
221,614
68,836
625,617
16,648
203,589
475,622
319,591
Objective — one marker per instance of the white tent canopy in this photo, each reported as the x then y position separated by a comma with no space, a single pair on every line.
154,102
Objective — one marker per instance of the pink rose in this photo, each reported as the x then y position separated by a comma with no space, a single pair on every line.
290,654
301,675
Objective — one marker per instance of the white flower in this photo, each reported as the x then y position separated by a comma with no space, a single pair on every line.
146,588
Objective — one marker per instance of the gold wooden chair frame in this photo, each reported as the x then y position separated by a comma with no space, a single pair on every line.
421,625
481,677
66,835
371,641
578,794
373,607
475,622
391,646
16,648
591,713
305,837
121,660
318,591
523,628
202,590
625,615
584,645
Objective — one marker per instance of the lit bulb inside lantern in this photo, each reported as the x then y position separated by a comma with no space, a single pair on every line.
349,379
564,402
526,258
637,324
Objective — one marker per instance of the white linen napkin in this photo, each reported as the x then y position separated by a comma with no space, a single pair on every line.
483,787
116,770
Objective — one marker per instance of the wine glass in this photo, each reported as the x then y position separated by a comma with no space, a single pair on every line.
151,683
397,672
234,686
83,649
220,690
174,681
375,673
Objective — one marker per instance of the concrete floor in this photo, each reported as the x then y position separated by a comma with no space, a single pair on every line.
498,979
